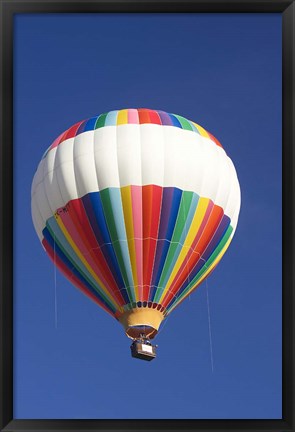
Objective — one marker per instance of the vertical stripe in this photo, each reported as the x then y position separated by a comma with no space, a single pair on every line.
129,226
151,207
111,118
185,124
72,131
201,130
100,122
136,197
165,118
122,117
175,121
113,210
143,116
133,116
154,117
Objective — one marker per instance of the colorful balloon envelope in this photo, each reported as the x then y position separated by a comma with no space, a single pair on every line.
136,207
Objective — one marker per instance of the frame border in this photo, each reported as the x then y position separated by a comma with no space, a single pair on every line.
10,7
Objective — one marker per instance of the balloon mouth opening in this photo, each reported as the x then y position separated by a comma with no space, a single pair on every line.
141,321
135,332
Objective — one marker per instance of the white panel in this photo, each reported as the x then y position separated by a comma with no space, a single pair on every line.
64,152
211,177
191,162
225,178
193,166
183,165
175,157
83,144
129,154
152,154
37,219
64,171
234,219
67,181
105,156
41,202
84,164
50,182
49,162
38,177
233,191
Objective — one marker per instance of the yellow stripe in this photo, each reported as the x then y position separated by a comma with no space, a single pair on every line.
86,264
128,218
122,117
214,264
191,235
202,131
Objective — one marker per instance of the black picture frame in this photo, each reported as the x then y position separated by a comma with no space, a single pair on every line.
8,9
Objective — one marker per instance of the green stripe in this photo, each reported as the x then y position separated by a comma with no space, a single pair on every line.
184,123
100,122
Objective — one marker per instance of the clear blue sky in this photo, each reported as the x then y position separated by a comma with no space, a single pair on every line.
223,72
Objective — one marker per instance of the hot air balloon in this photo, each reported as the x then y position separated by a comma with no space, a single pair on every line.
136,207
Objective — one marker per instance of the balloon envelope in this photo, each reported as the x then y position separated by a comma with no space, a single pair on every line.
136,207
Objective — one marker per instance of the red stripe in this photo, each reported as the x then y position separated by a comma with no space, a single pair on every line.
144,116
154,117
57,141
214,139
70,133
71,277
151,208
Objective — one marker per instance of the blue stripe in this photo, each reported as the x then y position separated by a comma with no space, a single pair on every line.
175,121
87,125
111,118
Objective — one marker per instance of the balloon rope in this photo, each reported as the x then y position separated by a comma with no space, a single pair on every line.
162,326
209,327
55,287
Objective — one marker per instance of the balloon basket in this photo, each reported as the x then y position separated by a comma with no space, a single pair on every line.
143,350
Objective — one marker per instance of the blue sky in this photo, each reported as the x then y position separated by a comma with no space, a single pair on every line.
223,72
